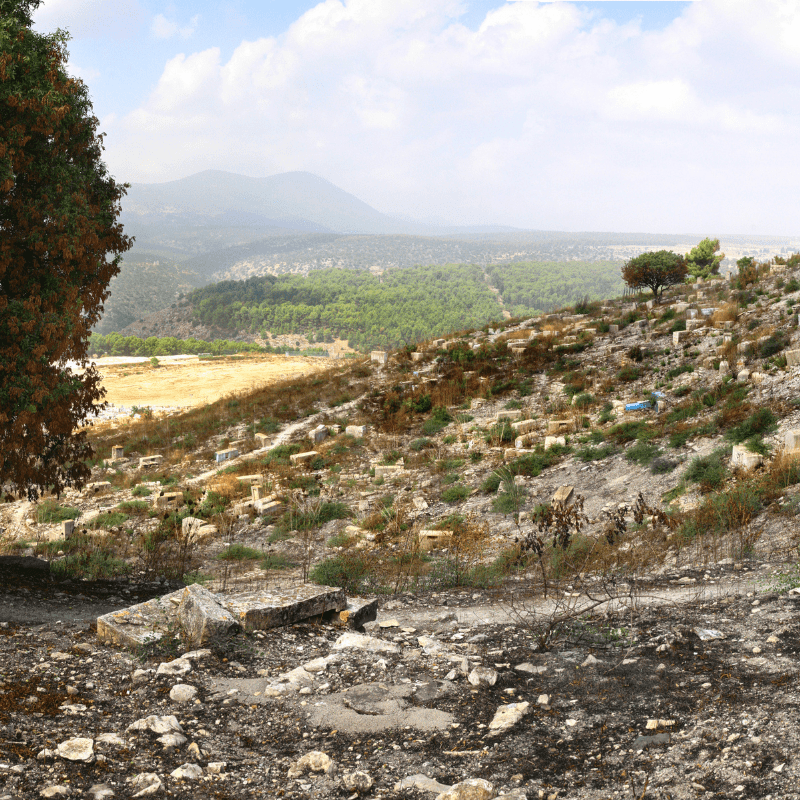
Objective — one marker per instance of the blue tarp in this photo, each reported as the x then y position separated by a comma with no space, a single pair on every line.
640,406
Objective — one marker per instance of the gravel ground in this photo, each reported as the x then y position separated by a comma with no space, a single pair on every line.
691,701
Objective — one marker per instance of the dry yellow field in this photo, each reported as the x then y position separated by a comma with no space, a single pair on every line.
193,382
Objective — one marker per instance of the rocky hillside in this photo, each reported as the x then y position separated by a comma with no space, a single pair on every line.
582,529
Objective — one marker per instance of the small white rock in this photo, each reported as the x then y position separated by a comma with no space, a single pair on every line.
79,749
187,772
182,693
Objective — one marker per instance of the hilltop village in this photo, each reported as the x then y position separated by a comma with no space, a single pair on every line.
552,558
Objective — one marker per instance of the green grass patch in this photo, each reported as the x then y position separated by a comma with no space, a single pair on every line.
239,552
110,519
456,493
50,512
642,453
276,561
590,453
759,423
709,471
349,570
141,491
134,506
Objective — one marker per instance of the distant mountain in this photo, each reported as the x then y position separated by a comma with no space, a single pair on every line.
297,201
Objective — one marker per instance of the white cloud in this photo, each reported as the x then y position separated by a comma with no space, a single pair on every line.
162,28
541,117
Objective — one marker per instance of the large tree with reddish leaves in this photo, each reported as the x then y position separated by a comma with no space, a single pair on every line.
60,245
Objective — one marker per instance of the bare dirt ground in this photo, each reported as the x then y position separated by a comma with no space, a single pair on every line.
193,382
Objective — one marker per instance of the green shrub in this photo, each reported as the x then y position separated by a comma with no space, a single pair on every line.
433,426
708,471
678,325
239,552
792,286
500,432
596,453
349,570
475,456
774,344
420,444
642,453
280,455
140,491
679,370
629,373
759,423
456,493
627,431
583,400
213,504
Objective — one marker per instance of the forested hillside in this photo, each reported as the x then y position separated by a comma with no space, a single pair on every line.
399,307
541,286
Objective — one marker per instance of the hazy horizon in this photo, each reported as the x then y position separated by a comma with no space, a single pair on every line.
662,117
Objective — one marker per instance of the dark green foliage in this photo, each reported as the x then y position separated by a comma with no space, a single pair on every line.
420,444
140,491
709,471
774,344
213,504
239,552
679,370
500,432
627,431
678,325
110,519
114,344
350,570
654,271
280,455
759,423
629,373
50,511
596,453
456,493
792,286
642,453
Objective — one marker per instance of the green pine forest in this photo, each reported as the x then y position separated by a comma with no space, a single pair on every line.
401,306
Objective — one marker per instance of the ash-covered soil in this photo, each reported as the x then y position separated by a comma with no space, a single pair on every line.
697,700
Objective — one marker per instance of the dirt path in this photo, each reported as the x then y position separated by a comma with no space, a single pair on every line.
193,382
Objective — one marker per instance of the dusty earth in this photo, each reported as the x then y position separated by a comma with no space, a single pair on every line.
193,382
697,700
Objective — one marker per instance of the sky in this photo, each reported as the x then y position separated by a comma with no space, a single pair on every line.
664,117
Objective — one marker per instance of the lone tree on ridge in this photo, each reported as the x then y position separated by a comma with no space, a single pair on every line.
655,271
60,245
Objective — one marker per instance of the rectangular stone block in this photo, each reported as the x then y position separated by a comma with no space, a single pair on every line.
68,527
792,358
226,455
168,500
524,426
741,457
792,440
433,540
356,430
558,426
269,507
523,441
117,452
149,461
379,357
563,495
549,441
678,337
140,624
262,610
388,470
202,617
359,611
261,439
253,480
508,415
319,434
417,356
303,458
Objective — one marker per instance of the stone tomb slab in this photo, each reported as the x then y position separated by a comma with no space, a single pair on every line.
141,624
262,610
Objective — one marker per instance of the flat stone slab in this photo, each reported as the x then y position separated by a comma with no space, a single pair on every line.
140,624
205,615
262,610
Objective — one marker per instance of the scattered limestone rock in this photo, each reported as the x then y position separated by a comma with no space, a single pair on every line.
182,693
471,789
79,749
146,784
187,772
156,724
507,716
315,761
202,618
357,781
482,676
361,641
